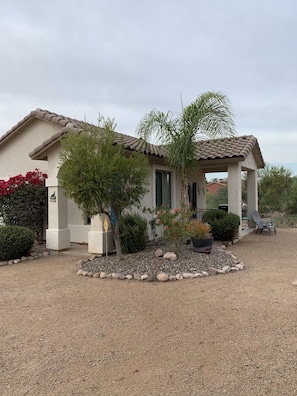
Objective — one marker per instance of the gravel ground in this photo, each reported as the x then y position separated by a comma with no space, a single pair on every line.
233,334
146,262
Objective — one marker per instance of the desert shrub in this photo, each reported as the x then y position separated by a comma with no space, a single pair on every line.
215,214
224,227
15,242
133,233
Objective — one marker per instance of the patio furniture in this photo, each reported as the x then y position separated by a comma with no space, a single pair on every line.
263,223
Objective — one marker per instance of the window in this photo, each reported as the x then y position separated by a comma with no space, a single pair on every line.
163,188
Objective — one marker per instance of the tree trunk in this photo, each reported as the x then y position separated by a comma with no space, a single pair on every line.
116,233
185,195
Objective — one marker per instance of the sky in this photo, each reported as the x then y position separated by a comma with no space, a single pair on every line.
123,58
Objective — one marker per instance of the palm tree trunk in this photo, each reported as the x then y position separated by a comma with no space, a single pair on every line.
185,194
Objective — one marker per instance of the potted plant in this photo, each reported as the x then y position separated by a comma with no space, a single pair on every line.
200,234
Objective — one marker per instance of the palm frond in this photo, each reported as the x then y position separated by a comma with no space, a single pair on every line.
210,115
158,125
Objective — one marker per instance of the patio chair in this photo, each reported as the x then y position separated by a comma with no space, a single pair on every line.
263,223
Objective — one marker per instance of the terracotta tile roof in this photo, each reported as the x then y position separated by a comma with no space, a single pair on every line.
236,147
207,150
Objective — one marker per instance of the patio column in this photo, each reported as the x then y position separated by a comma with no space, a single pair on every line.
234,190
252,191
97,243
58,233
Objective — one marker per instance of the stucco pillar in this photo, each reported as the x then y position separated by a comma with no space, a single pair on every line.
97,242
252,191
234,190
58,233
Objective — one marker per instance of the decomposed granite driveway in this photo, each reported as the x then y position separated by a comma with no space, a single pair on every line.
233,334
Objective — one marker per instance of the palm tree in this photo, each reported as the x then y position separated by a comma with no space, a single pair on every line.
209,116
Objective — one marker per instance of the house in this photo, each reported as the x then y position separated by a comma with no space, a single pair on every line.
213,187
35,143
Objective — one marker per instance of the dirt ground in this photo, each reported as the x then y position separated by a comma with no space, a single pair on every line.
234,334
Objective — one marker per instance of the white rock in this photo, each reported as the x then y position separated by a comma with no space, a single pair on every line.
220,271
162,277
85,273
239,266
234,269
159,253
80,271
16,261
212,271
179,277
198,275
96,275
205,273
170,256
103,275
226,268
294,282
144,277
129,277
188,275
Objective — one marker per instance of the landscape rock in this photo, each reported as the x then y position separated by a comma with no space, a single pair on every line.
212,271
159,253
188,275
162,277
170,256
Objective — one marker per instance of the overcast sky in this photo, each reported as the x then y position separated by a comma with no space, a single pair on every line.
126,57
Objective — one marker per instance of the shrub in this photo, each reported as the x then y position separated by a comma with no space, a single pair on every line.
211,215
174,223
15,242
224,225
133,233
23,201
199,230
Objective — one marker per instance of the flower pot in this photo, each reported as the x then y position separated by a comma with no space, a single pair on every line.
203,245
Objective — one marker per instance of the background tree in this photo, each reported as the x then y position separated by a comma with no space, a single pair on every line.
290,206
99,175
221,197
274,188
208,116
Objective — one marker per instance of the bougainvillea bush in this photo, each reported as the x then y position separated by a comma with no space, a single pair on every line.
23,201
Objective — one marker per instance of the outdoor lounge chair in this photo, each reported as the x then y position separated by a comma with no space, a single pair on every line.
263,223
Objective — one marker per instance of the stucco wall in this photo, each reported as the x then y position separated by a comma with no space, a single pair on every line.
14,153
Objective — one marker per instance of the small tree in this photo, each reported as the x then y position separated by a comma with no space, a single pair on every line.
99,175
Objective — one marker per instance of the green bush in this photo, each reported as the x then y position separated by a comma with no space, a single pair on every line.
215,214
224,226
133,233
15,242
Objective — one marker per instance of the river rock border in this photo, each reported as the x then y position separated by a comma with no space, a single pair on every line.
237,265
33,256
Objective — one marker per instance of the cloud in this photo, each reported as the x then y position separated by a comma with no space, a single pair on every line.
126,58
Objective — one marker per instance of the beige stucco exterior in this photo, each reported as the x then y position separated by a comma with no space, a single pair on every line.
66,223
